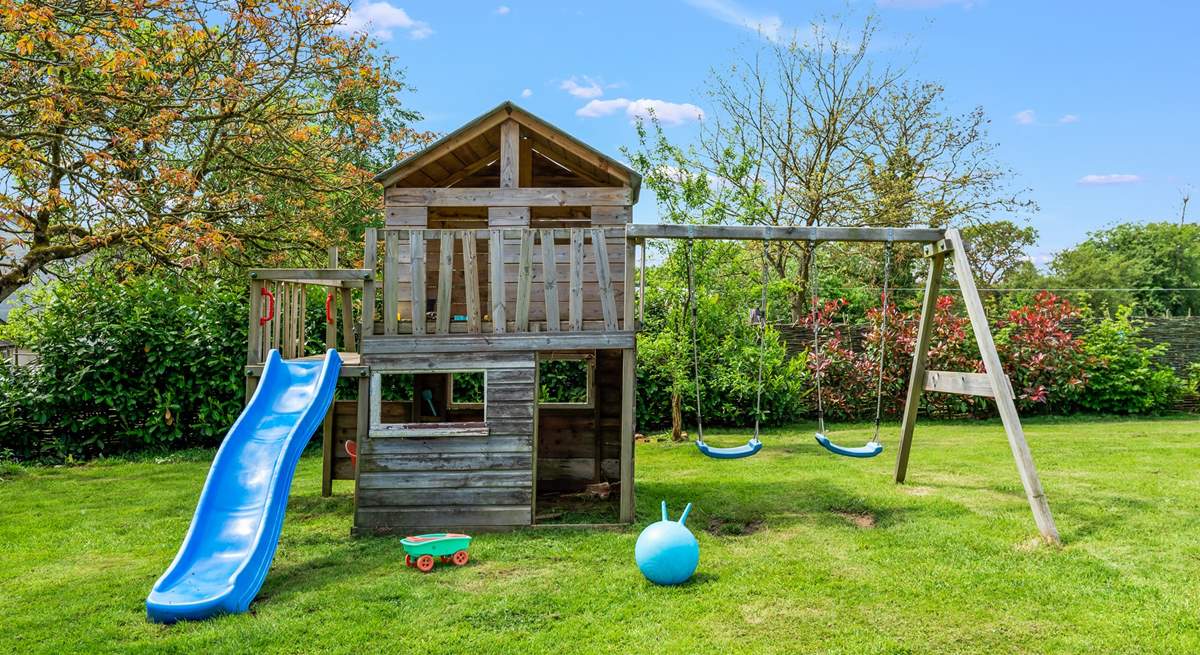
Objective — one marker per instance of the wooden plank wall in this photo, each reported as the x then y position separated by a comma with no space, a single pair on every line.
461,483
577,446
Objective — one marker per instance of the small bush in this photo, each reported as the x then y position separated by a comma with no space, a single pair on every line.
151,362
1123,376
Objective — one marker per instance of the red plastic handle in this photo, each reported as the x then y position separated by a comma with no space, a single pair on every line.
329,308
270,307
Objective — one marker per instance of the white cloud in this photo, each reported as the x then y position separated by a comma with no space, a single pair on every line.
379,19
770,26
503,10
582,87
669,113
525,93
1111,178
1069,118
1025,117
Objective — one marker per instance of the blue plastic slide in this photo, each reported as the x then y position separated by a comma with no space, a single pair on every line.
227,551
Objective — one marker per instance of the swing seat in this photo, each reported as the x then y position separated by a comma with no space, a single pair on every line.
871,449
735,452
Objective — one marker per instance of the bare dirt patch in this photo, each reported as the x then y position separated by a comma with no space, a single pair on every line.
720,527
864,520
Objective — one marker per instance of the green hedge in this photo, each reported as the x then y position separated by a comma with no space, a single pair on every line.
152,362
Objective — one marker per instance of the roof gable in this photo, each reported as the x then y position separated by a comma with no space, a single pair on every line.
470,153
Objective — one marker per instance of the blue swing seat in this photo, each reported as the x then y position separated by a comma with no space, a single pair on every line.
871,449
735,452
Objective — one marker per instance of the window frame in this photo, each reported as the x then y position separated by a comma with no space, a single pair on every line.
589,358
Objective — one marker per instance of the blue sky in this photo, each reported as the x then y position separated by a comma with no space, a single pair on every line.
1093,104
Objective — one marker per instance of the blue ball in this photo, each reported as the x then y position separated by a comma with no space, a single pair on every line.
667,552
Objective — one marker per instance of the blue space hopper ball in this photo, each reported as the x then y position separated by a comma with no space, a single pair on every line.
667,552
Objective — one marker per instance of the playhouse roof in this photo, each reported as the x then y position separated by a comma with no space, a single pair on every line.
473,150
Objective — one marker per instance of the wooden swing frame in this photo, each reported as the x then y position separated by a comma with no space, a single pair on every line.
941,247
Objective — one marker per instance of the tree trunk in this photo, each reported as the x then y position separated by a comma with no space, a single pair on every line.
676,417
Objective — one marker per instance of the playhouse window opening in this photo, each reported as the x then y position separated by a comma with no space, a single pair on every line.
566,380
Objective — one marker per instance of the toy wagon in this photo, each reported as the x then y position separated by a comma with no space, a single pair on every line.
422,550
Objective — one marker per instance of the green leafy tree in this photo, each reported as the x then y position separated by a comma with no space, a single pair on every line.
176,131
1153,266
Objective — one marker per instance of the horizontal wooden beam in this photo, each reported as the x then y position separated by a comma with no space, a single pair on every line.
428,430
483,343
966,384
255,370
560,233
484,197
773,233
309,274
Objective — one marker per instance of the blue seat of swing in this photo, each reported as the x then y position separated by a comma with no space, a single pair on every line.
735,452
871,449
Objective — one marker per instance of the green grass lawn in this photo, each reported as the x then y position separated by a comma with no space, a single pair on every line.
801,551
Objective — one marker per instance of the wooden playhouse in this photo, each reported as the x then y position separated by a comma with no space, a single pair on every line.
504,249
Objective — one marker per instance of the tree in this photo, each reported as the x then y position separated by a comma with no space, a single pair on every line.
179,129
808,132
1155,266
998,249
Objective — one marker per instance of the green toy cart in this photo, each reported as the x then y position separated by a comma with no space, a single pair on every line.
422,550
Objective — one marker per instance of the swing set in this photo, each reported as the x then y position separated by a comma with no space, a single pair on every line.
940,246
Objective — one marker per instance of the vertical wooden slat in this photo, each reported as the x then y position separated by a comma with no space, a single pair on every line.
348,344
416,251
301,324
510,147
370,247
391,280
608,303
471,280
524,281
445,280
331,325
525,178
496,289
549,279
275,325
575,295
1005,403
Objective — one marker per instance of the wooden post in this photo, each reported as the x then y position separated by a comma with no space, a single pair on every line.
348,344
510,158
628,397
362,428
916,379
370,247
254,334
1003,394
327,423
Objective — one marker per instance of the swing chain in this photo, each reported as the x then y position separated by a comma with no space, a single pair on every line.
814,316
887,269
762,339
691,300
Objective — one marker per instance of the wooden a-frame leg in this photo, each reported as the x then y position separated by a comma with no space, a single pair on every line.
916,379
1003,393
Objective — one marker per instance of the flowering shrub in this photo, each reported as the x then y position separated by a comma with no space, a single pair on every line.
1045,362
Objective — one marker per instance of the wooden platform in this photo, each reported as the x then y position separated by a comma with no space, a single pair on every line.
352,366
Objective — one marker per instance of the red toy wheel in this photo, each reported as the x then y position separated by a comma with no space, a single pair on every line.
425,563
408,560
460,558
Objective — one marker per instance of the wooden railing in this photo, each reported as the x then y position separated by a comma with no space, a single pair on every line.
278,302
499,280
